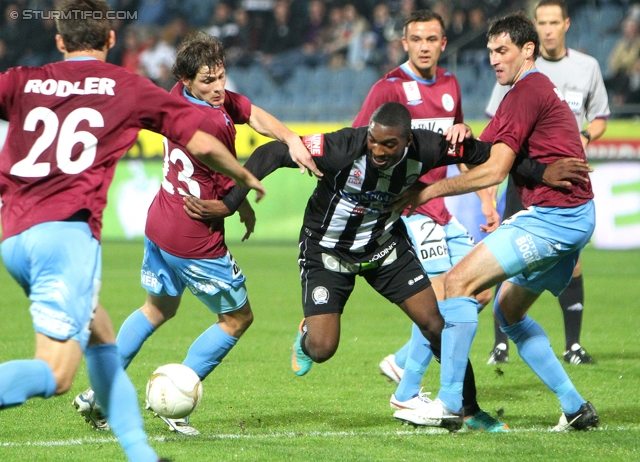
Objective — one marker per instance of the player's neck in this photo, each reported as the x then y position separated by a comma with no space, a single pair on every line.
100,55
553,55
527,67
426,74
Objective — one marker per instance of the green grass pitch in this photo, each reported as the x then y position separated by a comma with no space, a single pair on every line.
255,408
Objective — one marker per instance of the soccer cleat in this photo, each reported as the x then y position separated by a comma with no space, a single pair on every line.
389,368
417,402
499,355
300,362
578,355
180,425
85,403
432,414
585,419
482,421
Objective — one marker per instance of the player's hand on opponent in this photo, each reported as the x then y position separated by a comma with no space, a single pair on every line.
563,173
251,182
248,217
205,210
301,156
410,199
458,133
492,216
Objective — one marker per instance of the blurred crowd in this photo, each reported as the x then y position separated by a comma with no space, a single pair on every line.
284,34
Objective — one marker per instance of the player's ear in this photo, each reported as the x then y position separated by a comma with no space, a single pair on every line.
111,41
410,140
60,44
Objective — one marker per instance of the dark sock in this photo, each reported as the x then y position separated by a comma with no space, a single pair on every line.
469,399
571,302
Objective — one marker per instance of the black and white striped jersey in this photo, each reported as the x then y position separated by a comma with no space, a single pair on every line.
347,210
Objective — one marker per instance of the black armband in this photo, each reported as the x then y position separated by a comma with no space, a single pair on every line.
528,168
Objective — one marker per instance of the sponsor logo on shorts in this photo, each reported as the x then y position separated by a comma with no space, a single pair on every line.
320,295
148,279
529,252
383,253
416,279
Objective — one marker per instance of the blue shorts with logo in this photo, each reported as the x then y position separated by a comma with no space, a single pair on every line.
58,265
216,282
539,247
438,247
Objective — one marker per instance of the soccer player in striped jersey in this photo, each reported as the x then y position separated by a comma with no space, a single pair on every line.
579,79
432,96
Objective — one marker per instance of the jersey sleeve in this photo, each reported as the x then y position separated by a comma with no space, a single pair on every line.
598,105
6,85
264,160
435,151
167,114
237,106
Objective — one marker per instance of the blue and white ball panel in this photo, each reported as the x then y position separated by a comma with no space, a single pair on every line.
218,283
539,247
438,247
58,264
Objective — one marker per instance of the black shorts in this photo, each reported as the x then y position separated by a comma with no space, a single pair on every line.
328,276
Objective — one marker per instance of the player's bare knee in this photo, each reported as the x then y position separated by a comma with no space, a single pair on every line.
320,350
456,284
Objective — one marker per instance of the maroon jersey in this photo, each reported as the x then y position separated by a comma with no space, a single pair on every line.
69,123
534,117
168,225
433,104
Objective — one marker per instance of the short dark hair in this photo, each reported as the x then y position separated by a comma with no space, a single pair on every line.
519,28
423,16
89,32
197,50
559,3
393,115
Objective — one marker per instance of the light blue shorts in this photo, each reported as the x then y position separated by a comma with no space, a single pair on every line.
58,264
438,247
218,283
539,247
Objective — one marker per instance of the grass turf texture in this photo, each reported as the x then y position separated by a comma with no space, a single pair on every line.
255,408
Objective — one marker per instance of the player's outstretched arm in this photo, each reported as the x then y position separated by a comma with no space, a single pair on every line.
490,173
267,125
216,156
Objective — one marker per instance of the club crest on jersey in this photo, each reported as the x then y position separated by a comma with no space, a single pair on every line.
314,143
320,295
447,102
411,179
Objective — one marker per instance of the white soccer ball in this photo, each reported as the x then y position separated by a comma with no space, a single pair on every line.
174,391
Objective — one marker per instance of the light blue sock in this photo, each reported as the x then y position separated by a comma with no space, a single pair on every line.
23,379
460,324
135,330
208,350
112,386
402,354
535,349
416,365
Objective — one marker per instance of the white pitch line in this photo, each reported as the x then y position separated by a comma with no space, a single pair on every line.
287,435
